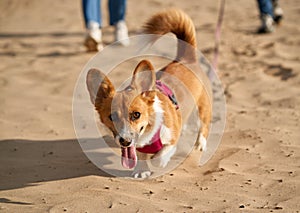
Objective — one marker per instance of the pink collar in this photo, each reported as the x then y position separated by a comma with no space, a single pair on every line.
156,144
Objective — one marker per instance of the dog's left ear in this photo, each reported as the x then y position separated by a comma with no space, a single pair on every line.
143,77
99,86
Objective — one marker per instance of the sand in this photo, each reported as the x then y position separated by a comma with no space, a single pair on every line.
43,169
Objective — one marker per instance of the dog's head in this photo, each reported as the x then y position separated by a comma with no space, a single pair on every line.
126,113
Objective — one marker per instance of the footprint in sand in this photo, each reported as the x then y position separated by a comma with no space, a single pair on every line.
247,50
279,71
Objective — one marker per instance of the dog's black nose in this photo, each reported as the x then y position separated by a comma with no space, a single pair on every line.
124,142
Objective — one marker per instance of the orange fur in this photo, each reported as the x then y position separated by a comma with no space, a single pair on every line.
177,22
134,108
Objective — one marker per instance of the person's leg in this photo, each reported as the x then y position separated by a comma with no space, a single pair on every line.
266,15
92,19
117,10
265,7
91,11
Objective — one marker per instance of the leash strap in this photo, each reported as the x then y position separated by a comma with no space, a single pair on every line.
218,35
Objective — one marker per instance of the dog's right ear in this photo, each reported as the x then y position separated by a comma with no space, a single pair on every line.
143,76
99,86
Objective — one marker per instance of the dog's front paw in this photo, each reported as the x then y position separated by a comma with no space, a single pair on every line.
141,174
162,158
161,162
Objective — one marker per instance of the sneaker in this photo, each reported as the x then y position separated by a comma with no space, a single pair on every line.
121,33
278,14
277,11
267,24
93,37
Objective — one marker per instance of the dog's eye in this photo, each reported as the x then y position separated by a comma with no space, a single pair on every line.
135,115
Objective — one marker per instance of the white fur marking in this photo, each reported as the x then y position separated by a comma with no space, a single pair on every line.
157,105
145,139
203,142
142,174
162,158
165,135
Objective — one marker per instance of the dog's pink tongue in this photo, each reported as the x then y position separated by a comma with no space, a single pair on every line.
128,157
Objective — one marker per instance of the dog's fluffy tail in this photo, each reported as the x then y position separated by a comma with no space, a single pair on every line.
177,22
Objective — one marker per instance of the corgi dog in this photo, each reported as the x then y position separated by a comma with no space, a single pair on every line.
146,117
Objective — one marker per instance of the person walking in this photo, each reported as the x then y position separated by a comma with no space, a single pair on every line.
93,23
270,14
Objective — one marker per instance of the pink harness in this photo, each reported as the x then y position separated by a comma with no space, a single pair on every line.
156,143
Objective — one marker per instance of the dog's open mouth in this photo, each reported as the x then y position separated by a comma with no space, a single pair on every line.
129,159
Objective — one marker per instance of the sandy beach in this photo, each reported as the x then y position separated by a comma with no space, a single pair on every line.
43,168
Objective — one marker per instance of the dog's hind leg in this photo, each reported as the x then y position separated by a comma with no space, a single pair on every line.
205,114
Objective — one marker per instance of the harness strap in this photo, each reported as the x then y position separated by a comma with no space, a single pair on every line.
167,91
